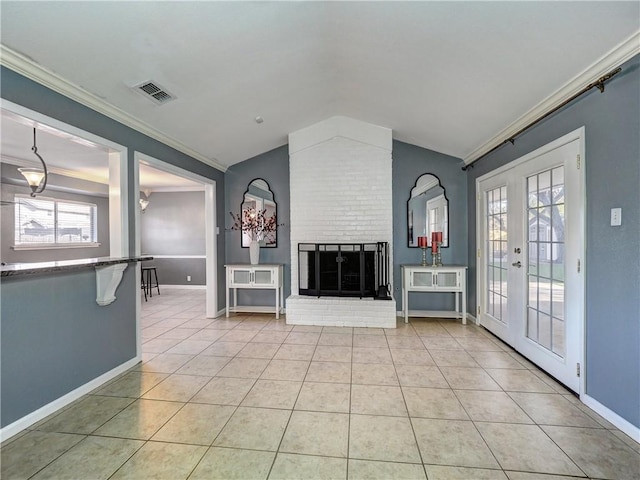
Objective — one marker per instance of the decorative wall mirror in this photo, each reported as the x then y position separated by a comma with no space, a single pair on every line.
427,210
259,215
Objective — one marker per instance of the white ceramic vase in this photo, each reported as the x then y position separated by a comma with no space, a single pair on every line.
254,252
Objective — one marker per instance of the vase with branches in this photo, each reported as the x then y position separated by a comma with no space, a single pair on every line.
257,225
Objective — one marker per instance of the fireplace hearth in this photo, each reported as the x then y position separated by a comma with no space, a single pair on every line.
344,270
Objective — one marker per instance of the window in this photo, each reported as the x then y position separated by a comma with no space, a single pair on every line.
46,222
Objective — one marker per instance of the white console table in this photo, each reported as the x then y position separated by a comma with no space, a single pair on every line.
268,276
449,278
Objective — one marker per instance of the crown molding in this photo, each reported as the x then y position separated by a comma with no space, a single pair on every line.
33,71
616,57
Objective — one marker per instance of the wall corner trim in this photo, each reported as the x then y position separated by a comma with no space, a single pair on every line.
614,58
39,74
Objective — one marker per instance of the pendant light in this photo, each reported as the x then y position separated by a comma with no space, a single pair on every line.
143,204
36,177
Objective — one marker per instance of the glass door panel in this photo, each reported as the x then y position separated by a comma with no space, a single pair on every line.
497,254
447,279
241,277
262,277
545,269
422,279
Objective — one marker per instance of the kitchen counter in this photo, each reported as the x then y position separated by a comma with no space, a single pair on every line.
17,269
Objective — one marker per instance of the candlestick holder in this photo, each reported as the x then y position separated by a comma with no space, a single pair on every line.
436,256
424,256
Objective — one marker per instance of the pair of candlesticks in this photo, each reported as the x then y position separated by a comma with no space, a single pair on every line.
436,242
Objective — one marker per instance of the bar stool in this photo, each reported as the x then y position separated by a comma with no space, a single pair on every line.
143,285
149,274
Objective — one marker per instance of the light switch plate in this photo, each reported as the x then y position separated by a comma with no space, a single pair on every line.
616,217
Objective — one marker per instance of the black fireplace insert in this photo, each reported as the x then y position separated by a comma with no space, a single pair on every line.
344,269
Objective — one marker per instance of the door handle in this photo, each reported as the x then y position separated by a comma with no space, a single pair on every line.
517,264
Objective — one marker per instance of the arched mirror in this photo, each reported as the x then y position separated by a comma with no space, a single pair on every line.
427,210
259,215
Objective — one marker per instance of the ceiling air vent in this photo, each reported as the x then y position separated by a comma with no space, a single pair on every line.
154,92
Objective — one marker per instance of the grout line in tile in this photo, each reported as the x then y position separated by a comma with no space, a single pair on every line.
396,368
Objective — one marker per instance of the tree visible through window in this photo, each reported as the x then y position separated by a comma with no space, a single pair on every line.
46,221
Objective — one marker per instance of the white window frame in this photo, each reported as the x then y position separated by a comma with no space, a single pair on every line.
55,244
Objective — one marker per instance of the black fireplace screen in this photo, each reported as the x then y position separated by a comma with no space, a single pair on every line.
344,269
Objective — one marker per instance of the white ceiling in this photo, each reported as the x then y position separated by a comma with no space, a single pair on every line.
70,155
443,75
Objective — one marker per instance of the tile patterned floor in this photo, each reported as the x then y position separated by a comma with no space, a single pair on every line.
253,398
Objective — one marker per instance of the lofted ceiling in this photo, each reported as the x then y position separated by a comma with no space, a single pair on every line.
448,76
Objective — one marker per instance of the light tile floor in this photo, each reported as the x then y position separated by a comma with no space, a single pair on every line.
253,398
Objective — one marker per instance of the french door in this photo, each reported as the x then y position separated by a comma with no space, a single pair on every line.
530,232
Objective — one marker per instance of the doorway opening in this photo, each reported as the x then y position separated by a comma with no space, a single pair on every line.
186,245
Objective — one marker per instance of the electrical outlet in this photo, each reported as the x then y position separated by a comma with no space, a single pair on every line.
616,217
188,278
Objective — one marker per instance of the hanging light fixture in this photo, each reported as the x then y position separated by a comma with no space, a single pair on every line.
144,204
36,177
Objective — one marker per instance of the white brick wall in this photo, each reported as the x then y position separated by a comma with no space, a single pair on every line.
341,312
341,192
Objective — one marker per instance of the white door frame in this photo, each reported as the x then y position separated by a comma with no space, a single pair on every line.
211,239
579,135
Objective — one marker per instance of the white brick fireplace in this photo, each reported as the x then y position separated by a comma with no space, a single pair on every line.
341,192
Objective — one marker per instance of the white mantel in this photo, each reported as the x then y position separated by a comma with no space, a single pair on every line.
341,192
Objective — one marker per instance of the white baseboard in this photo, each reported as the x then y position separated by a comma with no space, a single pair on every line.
439,314
184,287
430,313
611,416
46,410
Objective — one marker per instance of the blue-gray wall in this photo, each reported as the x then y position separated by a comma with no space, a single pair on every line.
273,167
55,337
409,163
612,267
174,224
73,292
